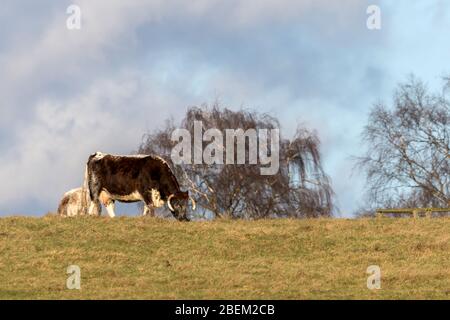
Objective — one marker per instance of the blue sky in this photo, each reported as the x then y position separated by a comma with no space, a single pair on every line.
68,93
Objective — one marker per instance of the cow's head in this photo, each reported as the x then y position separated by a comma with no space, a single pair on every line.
178,204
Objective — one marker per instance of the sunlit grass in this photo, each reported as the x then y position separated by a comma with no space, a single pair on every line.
151,258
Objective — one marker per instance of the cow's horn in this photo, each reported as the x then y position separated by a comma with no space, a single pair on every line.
193,203
169,204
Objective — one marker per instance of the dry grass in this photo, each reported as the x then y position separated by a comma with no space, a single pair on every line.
150,258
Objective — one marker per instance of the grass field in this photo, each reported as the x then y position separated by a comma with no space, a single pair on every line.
151,258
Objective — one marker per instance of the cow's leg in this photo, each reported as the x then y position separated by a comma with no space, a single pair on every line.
95,207
148,210
108,203
110,209
148,205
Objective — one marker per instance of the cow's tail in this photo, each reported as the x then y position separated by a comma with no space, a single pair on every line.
85,193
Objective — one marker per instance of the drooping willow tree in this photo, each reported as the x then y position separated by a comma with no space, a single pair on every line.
300,188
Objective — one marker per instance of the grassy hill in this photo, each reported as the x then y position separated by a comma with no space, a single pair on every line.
151,258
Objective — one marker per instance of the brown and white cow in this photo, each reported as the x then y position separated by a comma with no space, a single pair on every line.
134,178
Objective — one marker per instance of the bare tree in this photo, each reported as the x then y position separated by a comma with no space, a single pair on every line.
299,189
407,160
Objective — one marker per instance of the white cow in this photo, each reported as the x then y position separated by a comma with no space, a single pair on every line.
74,202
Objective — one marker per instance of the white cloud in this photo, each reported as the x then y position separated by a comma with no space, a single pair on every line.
66,93
49,154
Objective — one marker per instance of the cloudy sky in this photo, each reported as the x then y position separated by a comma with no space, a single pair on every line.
67,93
